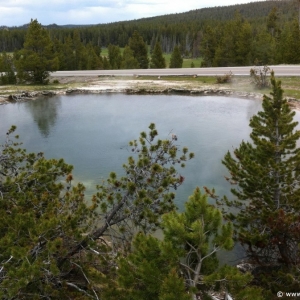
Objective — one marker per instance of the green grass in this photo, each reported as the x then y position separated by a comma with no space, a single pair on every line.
186,61
290,86
289,81
104,52
292,93
200,79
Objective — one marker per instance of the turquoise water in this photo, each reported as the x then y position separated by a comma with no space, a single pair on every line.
91,132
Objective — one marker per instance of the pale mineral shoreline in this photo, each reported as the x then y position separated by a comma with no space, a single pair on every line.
95,85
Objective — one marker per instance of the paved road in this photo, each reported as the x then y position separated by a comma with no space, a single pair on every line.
282,70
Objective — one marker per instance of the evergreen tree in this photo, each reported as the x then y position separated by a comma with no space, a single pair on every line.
291,44
106,64
243,44
141,274
264,47
58,48
139,48
94,62
128,60
154,171
157,59
182,265
208,46
68,59
6,68
152,43
114,56
267,174
234,43
173,287
53,244
79,51
36,60
197,234
42,216
176,58
196,45
272,24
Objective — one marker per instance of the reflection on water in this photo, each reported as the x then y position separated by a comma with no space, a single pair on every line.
44,113
91,132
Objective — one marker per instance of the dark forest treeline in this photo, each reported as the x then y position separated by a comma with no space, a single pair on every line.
176,26
265,32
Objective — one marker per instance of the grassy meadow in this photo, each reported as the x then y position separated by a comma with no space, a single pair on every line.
186,61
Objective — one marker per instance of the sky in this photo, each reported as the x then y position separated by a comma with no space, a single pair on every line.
86,12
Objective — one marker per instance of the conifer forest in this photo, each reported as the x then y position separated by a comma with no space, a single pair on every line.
57,244
265,33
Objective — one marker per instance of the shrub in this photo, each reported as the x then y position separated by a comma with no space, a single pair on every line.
226,78
259,77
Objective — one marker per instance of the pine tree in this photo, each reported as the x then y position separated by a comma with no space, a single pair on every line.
264,46
79,51
208,46
291,44
267,174
272,21
139,48
128,60
234,43
36,60
141,273
68,59
242,44
154,171
182,265
197,234
94,61
157,59
6,68
176,59
58,48
173,287
53,242
42,216
115,57
152,43
106,64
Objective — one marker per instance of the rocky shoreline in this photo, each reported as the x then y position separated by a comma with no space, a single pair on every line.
26,96
141,88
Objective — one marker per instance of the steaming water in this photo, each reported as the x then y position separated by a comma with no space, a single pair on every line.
91,132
